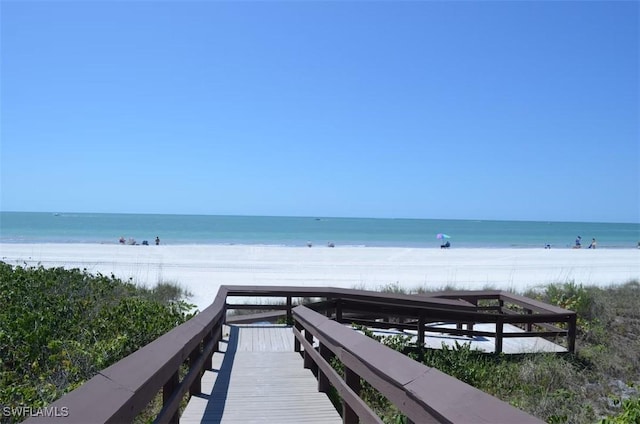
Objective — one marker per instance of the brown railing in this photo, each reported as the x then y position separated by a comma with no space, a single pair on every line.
536,318
421,393
418,312
120,392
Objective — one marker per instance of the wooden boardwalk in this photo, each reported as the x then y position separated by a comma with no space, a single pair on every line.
258,378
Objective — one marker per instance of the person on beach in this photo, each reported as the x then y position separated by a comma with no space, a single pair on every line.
578,243
593,244
122,241
157,241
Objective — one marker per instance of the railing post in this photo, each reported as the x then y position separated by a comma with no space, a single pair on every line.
499,331
338,310
308,360
296,342
573,324
167,392
529,324
353,381
289,312
196,387
330,303
323,382
420,340
208,363
470,324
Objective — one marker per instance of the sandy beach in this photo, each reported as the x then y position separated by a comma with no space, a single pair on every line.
203,268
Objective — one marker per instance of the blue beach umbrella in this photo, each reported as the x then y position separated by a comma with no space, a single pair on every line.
442,236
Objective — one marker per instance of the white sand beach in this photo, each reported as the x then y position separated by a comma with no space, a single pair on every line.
203,268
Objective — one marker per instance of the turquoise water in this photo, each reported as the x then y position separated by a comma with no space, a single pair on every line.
28,227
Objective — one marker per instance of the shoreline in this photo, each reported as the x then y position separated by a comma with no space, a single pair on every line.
425,245
202,268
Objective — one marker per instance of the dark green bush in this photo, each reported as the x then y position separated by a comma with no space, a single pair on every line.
59,327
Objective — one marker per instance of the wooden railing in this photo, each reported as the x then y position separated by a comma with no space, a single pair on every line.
536,318
120,392
466,309
421,393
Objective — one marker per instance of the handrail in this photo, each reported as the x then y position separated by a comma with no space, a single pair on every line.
347,294
454,306
120,392
526,302
422,393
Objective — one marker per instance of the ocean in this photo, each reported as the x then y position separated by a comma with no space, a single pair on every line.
36,227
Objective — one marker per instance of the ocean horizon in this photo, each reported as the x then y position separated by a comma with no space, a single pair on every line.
108,228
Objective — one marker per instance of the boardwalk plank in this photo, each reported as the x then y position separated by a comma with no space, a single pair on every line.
259,379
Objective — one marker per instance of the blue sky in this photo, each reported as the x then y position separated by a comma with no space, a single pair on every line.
417,109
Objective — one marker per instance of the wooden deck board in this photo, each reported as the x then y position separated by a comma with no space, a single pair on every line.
258,378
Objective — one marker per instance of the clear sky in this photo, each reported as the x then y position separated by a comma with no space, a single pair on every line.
418,109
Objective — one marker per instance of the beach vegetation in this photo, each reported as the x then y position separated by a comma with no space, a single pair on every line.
169,292
59,327
427,289
394,288
629,414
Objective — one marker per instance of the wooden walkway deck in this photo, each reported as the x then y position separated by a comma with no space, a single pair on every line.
258,378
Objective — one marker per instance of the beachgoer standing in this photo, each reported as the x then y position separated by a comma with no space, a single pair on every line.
593,244
157,240
578,243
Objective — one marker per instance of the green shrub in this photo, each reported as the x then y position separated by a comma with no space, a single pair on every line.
630,413
59,327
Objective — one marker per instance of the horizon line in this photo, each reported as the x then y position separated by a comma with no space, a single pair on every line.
320,217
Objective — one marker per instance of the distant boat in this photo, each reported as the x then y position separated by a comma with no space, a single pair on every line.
56,214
